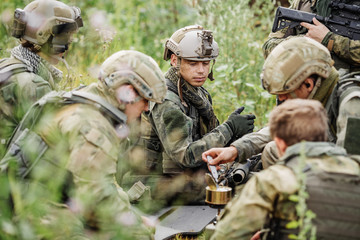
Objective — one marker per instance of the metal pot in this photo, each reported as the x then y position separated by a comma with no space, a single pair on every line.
218,197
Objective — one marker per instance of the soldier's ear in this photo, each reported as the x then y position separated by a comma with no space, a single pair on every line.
281,145
173,60
309,84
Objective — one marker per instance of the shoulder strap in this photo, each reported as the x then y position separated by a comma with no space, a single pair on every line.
172,95
9,67
88,98
24,129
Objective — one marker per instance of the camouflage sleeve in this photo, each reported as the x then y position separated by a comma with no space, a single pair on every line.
346,49
252,143
174,130
30,88
93,156
247,213
349,107
275,38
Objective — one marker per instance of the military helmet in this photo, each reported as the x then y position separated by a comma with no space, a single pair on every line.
137,69
47,21
292,61
192,43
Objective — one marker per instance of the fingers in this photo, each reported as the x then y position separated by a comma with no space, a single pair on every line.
306,25
316,22
213,152
251,117
239,110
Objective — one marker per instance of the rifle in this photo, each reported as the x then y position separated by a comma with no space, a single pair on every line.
346,22
239,173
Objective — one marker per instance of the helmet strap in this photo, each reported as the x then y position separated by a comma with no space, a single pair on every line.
178,62
211,74
316,87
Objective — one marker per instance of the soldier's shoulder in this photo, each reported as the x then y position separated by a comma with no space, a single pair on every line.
278,177
87,121
171,101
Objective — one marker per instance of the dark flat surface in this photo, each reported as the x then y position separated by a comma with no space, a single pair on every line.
187,220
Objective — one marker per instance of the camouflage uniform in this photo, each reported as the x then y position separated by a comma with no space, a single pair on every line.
184,137
181,128
344,51
82,143
20,90
181,134
64,155
43,27
248,212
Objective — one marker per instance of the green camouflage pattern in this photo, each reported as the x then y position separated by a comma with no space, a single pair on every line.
345,52
175,131
82,143
247,212
17,94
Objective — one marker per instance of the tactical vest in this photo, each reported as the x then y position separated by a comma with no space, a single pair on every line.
335,199
23,156
155,153
347,87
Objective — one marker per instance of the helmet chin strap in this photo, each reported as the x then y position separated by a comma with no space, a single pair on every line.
211,74
316,87
178,62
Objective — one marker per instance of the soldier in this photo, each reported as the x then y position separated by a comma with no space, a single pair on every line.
71,142
299,128
302,68
185,125
45,29
344,51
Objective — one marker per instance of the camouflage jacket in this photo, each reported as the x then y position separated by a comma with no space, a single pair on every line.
20,87
182,147
80,159
248,212
345,52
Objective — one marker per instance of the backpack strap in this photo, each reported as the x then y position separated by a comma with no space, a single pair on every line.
11,66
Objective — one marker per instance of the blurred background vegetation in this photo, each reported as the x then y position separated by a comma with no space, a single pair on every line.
240,27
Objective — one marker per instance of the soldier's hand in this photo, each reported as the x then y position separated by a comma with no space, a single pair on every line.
316,31
240,124
220,155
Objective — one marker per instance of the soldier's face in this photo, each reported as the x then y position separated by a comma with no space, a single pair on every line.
134,103
134,110
302,92
194,72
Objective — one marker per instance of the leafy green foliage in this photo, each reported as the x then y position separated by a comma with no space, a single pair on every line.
240,31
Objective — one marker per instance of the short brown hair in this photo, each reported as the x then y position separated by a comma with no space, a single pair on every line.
296,120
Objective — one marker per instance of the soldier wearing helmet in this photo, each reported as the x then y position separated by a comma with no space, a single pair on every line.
177,131
45,29
76,140
302,68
